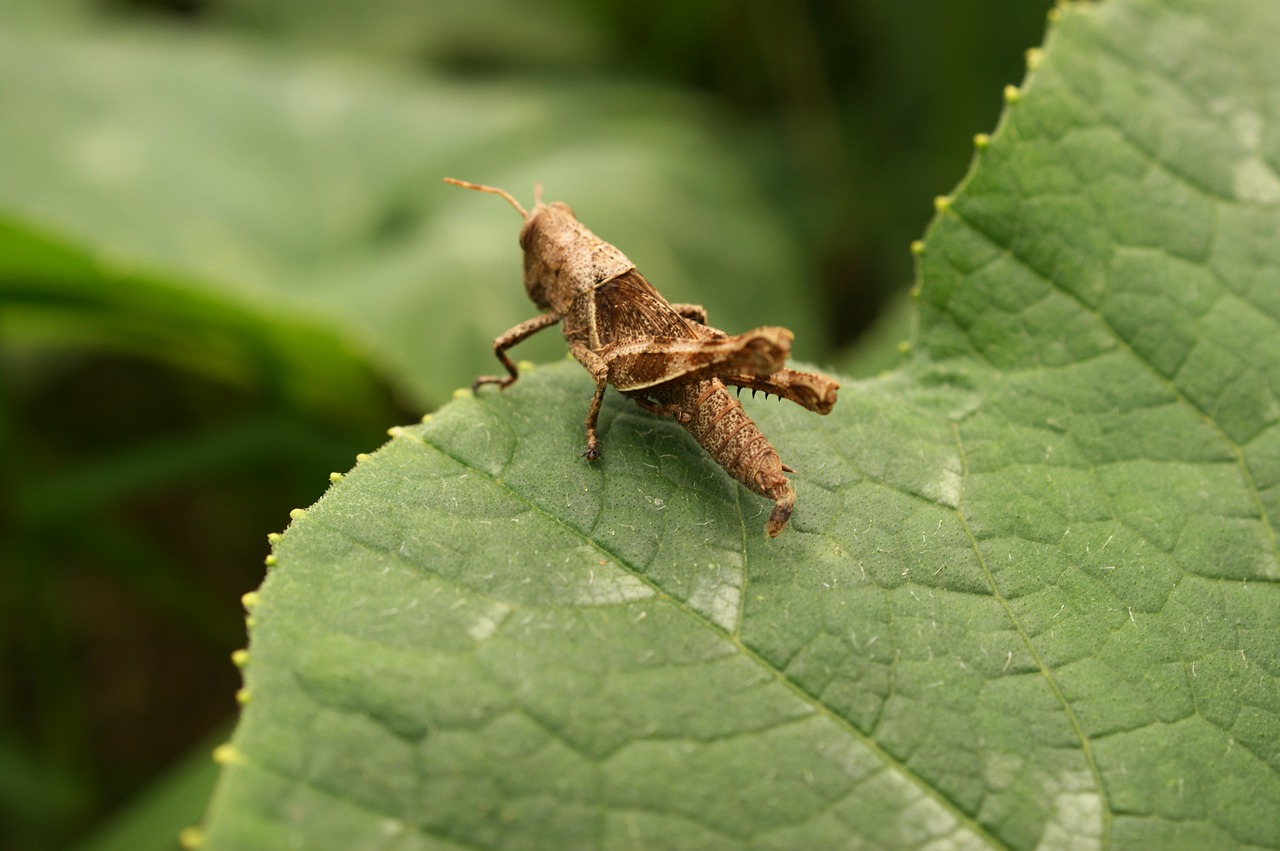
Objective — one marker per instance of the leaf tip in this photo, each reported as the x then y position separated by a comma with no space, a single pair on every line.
981,141
242,696
270,560
463,393
249,600
917,247
334,478
297,514
942,203
273,538
240,657
1011,94
1034,56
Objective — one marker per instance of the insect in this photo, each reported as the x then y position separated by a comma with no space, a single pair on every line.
663,356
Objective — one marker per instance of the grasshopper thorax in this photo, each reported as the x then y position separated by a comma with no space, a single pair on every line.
563,259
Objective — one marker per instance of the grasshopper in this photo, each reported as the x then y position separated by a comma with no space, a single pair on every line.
663,356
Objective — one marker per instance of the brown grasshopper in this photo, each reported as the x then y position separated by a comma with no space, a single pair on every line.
662,355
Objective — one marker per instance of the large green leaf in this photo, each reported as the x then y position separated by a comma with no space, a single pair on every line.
308,193
1028,596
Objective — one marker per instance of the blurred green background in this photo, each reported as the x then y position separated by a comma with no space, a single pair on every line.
227,265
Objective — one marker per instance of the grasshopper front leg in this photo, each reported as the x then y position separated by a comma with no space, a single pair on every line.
512,336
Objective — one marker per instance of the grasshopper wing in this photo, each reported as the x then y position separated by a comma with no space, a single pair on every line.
647,342
628,309
640,365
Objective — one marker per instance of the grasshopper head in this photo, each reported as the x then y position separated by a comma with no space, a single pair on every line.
562,259
533,234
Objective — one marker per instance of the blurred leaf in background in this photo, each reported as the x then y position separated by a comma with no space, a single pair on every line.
855,115
227,264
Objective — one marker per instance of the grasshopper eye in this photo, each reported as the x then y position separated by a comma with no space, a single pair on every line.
527,232
533,275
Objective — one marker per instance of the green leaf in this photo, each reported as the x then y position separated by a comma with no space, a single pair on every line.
58,293
1028,596
309,193
886,344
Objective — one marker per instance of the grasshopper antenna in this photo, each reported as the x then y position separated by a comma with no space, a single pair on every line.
480,187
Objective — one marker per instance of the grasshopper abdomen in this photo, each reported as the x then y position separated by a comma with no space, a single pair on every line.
719,424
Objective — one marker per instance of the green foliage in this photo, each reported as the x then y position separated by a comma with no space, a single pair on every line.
1028,596
294,194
